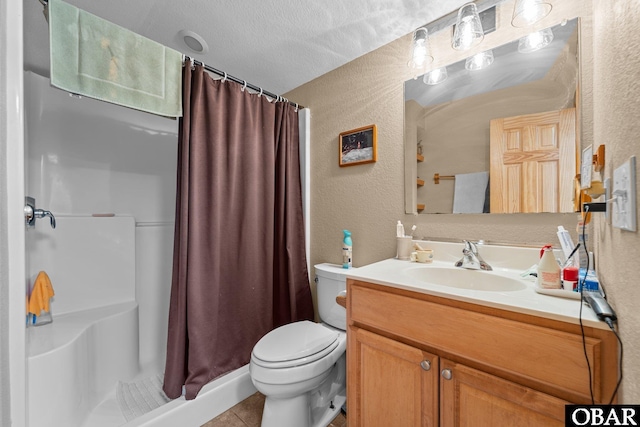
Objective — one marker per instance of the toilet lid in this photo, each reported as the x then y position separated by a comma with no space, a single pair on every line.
294,341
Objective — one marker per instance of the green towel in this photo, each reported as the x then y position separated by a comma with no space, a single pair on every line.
98,59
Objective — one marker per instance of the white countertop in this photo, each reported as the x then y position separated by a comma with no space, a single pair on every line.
395,273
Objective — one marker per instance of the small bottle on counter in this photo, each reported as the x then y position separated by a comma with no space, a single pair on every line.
347,249
548,270
570,278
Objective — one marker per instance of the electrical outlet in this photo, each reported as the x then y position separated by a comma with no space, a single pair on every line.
624,196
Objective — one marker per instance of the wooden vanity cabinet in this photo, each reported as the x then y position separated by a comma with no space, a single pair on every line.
396,384
418,360
474,398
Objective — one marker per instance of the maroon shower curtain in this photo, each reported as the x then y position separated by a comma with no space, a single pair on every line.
239,263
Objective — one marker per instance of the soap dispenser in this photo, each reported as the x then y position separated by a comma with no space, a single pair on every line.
548,270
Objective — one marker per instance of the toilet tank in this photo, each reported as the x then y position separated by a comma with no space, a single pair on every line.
331,279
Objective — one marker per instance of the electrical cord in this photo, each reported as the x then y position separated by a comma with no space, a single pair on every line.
581,287
608,320
615,391
584,348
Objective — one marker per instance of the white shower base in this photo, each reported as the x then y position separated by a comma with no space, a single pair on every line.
75,363
214,398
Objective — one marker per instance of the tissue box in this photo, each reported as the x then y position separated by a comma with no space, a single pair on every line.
591,282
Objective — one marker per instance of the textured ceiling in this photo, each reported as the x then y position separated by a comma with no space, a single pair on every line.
276,44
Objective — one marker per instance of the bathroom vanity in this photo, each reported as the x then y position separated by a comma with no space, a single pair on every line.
424,354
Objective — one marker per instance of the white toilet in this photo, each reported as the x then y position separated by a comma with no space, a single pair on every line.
301,367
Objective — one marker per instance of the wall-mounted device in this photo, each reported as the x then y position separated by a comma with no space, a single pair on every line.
623,200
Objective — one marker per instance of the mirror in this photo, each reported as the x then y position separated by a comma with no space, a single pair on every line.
453,123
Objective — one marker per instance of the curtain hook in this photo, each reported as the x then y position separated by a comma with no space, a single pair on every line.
225,77
244,86
260,94
296,107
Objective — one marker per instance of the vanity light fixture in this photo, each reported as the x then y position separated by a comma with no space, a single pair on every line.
479,60
535,41
436,76
528,12
420,56
468,31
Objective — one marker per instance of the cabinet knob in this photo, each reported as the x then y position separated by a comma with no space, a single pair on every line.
425,364
446,374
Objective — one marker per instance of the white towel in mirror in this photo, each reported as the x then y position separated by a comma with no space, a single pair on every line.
470,192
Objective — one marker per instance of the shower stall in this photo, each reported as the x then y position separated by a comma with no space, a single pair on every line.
107,174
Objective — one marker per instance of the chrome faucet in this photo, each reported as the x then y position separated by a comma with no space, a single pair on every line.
471,259
31,213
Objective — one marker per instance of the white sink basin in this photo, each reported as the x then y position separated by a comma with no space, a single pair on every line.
476,280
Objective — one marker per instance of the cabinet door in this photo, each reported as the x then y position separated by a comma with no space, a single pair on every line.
389,383
473,398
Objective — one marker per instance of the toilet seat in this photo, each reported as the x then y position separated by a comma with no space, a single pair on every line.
296,362
294,344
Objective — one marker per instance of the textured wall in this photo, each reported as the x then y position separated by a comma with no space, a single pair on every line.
616,125
366,199
369,199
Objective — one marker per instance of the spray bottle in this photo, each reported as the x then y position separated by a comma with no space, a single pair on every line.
347,249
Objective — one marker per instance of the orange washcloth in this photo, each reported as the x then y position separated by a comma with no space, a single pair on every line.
41,294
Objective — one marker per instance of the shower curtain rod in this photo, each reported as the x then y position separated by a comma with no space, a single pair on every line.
242,82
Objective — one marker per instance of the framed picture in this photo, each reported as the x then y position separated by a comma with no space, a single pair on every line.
358,146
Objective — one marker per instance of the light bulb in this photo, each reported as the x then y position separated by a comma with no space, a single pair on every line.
528,12
535,41
420,49
479,61
419,54
436,76
468,30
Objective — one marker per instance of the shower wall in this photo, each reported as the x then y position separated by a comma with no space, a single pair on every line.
86,157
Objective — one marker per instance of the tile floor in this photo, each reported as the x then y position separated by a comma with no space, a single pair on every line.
248,413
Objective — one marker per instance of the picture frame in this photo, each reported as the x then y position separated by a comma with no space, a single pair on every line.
358,146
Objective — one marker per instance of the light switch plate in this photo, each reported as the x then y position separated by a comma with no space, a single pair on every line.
624,194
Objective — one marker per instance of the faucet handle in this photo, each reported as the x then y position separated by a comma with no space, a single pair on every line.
469,247
41,213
